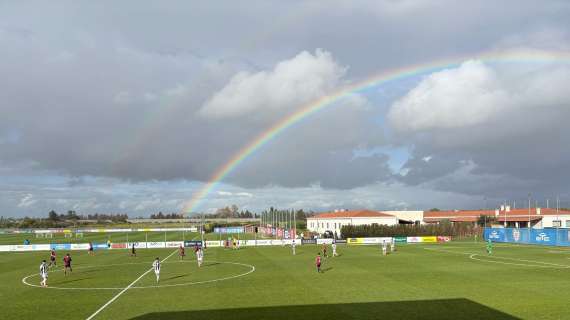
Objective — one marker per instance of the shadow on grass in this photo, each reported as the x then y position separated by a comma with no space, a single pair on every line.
421,309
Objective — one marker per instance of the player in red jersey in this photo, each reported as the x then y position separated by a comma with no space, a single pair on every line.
67,264
52,258
181,253
318,262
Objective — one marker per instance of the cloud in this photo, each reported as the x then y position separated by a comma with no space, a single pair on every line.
505,121
454,98
288,85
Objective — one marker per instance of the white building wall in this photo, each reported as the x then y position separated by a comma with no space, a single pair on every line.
335,224
548,221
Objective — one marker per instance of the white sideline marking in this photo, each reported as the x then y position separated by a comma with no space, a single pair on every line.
537,264
126,288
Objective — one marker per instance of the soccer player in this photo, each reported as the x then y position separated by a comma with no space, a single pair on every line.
384,247
489,247
393,245
156,266
90,248
318,262
52,261
67,264
200,257
325,250
44,273
133,251
181,253
293,244
333,245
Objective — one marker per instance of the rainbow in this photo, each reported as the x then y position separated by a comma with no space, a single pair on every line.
512,56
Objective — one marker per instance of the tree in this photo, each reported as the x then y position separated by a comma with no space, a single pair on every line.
52,216
434,210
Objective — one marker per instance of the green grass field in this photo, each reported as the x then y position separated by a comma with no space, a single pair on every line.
441,281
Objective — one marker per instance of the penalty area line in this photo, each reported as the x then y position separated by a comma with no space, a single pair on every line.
126,288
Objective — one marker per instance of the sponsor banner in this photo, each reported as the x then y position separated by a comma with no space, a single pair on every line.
400,239
324,241
213,244
60,246
5,248
79,246
414,239
138,245
155,245
100,246
194,243
443,239
251,243
41,247
354,240
175,244
429,239
308,241
264,242
119,245
378,240
229,230
277,242
340,241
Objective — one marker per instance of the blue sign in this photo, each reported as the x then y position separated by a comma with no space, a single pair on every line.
551,237
229,230
60,246
99,246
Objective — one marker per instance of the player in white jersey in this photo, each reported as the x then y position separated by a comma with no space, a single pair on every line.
200,256
156,267
393,245
384,247
44,273
333,245
293,244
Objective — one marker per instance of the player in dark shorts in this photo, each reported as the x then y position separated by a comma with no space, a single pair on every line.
52,261
67,264
318,262
133,251
324,250
90,249
181,253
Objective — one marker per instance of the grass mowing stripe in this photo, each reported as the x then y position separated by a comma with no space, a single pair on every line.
126,288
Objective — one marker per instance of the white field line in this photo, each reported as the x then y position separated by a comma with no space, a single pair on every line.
125,289
533,263
252,269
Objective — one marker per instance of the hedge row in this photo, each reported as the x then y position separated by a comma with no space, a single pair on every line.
408,230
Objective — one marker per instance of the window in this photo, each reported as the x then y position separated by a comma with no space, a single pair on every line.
327,225
567,223
557,223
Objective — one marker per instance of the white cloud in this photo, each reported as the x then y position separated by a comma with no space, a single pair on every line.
468,95
291,83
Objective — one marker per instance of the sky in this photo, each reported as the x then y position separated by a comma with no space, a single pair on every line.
132,106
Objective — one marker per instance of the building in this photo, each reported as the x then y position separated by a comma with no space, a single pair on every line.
506,217
334,221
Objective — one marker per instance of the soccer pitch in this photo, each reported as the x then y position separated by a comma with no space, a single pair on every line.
456,280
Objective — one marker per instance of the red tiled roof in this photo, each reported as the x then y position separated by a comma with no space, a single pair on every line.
352,214
454,214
